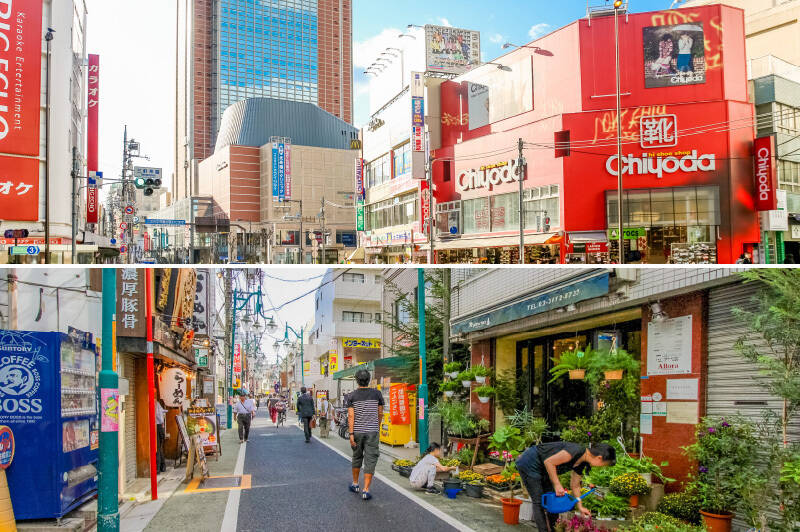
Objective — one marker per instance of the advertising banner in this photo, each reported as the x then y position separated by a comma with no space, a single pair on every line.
477,105
109,410
21,76
306,368
19,189
418,123
92,120
288,170
275,188
451,50
360,216
281,171
367,343
333,356
766,174
203,422
398,405
201,357
674,55
424,206
359,176
237,360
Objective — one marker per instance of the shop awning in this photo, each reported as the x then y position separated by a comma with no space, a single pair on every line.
358,254
491,242
588,237
371,366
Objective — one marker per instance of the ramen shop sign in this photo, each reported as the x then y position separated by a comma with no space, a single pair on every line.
490,176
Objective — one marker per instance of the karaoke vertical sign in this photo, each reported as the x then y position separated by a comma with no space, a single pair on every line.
93,108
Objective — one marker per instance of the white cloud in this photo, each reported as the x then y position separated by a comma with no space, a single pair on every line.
496,38
537,30
444,22
366,52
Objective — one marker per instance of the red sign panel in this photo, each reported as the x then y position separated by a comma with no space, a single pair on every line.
19,189
20,78
93,106
597,247
766,174
398,405
424,206
237,359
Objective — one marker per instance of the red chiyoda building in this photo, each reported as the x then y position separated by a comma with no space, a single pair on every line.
687,131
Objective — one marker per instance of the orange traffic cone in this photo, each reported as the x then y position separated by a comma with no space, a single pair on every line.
7,522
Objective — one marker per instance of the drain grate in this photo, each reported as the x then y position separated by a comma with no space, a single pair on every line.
216,483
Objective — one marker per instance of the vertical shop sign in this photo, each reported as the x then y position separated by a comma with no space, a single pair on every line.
281,171
93,108
766,174
237,366
424,206
361,194
287,156
333,357
275,188
19,188
200,314
130,303
20,76
398,404
417,125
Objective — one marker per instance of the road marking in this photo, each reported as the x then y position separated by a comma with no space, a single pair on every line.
231,517
458,525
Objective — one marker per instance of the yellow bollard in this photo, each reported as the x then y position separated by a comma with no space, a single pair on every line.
7,522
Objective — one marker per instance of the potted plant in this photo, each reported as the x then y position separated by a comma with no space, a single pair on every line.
509,441
480,373
466,378
449,388
630,485
511,505
725,452
612,365
573,363
474,488
451,369
484,393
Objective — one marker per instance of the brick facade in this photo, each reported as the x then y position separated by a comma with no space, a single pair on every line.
335,59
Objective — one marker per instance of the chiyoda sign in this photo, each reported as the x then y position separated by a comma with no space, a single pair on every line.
766,186
20,76
489,176
658,164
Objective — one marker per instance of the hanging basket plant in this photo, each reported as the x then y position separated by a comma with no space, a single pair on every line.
614,375
485,393
480,372
451,369
466,378
449,388
611,365
572,363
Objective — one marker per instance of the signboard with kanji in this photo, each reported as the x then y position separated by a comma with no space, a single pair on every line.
130,303
398,405
19,189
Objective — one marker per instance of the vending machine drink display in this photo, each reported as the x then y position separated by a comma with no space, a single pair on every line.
49,400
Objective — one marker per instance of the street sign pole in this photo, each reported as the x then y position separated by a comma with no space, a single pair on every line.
423,367
108,454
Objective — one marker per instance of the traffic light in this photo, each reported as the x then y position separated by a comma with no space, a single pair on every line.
546,223
147,184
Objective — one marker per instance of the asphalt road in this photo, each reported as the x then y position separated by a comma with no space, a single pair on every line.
298,487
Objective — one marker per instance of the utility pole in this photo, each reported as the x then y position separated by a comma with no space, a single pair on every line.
228,339
522,171
324,236
620,185
446,318
48,38
123,195
108,454
423,368
75,173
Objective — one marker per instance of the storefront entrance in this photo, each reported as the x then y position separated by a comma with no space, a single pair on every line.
670,245
534,254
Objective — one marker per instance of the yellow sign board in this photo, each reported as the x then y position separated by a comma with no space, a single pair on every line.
366,343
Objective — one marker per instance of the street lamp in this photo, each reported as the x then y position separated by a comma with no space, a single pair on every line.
287,343
504,68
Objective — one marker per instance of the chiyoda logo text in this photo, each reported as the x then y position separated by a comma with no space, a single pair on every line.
489,176
658,166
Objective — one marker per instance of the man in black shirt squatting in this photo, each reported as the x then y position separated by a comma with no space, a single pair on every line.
364,415
541,465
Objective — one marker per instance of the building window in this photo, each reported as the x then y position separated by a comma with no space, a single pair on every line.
401,210
402,160
789,175
378,171
666,207
356,317
540,204
401,313
350,277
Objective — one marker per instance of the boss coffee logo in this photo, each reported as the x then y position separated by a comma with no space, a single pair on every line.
19,377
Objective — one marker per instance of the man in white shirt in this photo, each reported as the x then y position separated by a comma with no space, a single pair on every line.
244,410
161,435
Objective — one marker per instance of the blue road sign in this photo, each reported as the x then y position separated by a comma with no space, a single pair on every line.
169,223
24,250
113,241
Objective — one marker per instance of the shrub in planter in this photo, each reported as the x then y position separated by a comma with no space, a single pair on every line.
684,506
465,377
725,451
533,428
659,522
573,363
470,476
474,489
631,486
484,393
610,365
452,369
608,507
508,441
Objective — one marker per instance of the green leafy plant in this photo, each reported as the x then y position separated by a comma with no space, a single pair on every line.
603,361
571,361
609,506
485,391
450,386
465,375
725,451
510,391
480,371
659,522
629,485
464,456
508,439
452,367
683,505
483,426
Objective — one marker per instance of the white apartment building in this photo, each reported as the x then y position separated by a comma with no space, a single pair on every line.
347,327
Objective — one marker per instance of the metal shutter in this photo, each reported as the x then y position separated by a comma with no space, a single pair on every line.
731,385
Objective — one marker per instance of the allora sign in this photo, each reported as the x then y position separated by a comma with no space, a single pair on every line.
766,198
489,176
660,165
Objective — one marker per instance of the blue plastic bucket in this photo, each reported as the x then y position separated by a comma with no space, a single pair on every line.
452,493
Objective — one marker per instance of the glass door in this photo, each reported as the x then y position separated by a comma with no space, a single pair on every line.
566,399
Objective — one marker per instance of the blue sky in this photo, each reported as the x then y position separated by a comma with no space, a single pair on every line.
499,21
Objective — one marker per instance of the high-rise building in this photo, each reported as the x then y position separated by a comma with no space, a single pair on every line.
230,50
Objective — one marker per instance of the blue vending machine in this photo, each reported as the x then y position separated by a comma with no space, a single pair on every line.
48,397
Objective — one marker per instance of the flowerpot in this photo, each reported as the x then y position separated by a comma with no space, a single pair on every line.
480,380
452,484
648,477
453,375
511,511
473,491
716,522
466,384
614,375
634,502
405,471
577,374
449,393
652,499
483,399
635,456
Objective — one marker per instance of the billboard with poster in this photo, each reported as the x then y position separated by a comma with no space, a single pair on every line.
674,55
478,105
451,50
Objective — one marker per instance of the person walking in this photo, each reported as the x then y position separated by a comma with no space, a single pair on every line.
540,466
161,435
244,410
305,411
325,417
364,414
